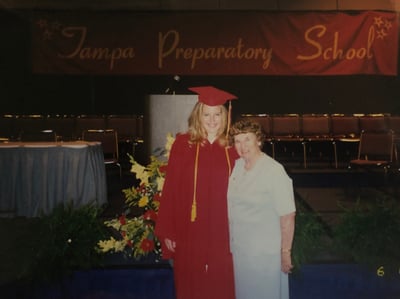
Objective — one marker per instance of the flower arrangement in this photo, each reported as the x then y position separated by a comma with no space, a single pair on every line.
134,235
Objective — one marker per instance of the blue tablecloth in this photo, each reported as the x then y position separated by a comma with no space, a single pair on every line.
36,177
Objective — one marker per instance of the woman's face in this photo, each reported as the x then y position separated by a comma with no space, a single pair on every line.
247,145
211,119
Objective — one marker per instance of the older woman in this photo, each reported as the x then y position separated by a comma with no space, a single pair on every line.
261,218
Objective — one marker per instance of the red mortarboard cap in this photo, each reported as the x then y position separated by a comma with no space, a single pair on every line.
212,96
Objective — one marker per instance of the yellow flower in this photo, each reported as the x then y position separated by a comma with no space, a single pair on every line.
168,144
107,245
156,204
114,223
160,183
141,173
143,201
119,245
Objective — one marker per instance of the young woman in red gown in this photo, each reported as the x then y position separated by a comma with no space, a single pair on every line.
192,222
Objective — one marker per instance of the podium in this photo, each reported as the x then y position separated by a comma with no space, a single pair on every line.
165,113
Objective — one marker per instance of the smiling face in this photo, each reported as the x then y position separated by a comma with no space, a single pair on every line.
212,120
247,145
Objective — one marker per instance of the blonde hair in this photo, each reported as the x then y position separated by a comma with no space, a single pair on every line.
246,126
196,130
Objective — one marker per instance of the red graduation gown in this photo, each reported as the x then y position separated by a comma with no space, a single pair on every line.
203,266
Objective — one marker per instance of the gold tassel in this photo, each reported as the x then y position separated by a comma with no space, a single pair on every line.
193,213
228,126
228,161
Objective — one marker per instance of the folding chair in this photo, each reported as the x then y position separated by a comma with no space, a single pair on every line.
41,135
317,137
345,131
109,143
287,139
375,151
394,125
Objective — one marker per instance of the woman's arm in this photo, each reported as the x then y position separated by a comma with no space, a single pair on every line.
287,232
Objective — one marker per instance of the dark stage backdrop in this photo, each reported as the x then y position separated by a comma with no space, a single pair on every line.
22,92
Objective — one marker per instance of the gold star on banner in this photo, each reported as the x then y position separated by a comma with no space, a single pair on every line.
388,25
378,21
381,34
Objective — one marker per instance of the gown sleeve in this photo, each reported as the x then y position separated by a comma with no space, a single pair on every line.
166,220
283,192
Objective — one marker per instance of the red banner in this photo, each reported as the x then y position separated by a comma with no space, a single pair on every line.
215,43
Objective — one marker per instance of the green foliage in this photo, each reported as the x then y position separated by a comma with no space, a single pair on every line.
370,233
307,237
68,241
